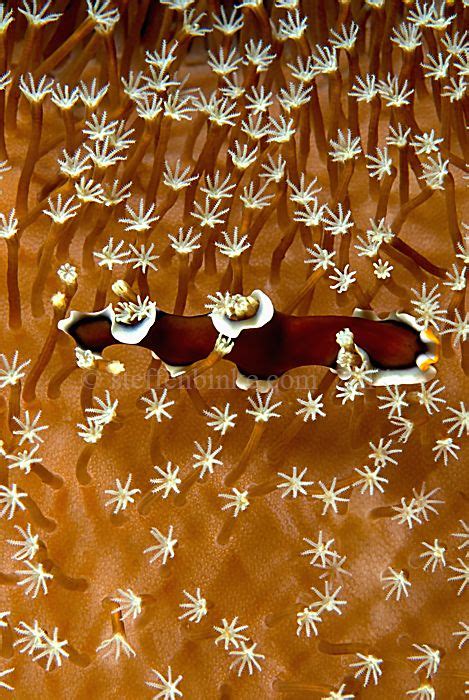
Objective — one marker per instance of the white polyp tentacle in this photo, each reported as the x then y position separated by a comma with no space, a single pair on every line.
232,328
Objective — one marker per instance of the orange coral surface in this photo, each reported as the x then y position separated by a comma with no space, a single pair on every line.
249,566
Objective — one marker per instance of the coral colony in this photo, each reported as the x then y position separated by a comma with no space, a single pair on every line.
233,356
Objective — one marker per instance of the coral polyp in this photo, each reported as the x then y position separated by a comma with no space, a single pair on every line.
233,356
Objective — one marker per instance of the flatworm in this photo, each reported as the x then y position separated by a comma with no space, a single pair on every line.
270,343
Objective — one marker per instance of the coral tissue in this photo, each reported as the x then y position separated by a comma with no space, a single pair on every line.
233,349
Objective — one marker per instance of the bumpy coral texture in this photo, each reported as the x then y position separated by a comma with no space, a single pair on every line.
249,566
